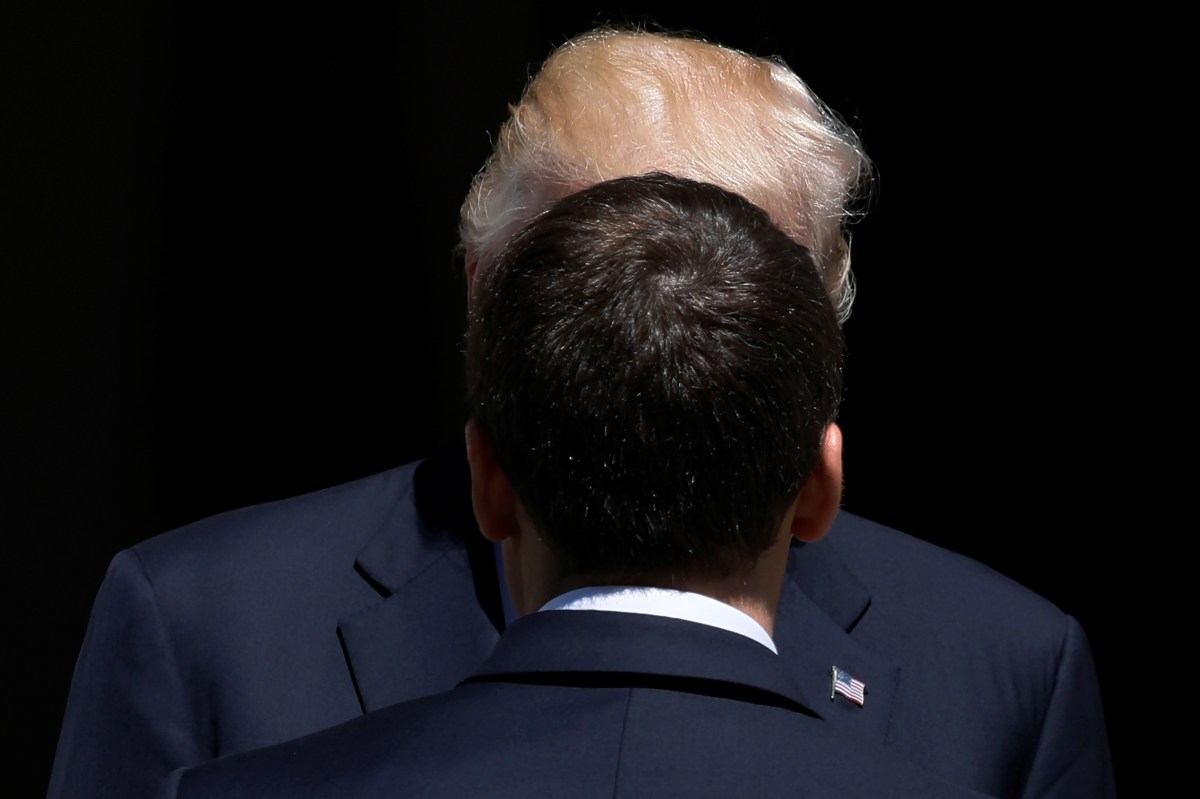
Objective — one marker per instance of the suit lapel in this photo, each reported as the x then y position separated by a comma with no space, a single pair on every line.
821,602
439,613
420,640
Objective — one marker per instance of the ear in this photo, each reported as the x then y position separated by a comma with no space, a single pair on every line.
820,496
492,496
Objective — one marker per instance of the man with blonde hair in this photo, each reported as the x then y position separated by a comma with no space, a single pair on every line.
614,102
270,622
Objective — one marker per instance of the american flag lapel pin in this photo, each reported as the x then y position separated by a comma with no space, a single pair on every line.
847,686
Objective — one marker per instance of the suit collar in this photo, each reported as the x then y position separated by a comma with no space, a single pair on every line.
430,517
431,566
434,499
634,649
819,571
439,612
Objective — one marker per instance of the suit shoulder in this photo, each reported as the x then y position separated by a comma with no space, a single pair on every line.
303,547
339,517
909,573
247,574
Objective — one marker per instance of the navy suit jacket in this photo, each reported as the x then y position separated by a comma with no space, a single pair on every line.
271,622
584,704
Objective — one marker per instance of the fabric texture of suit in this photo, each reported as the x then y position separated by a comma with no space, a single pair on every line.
584,704
271,622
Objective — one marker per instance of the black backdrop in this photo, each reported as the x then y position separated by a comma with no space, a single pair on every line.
228,277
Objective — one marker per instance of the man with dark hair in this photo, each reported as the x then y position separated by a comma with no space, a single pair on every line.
657,385
654,370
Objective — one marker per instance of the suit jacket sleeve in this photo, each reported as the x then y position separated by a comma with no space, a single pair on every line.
1072,758
128,719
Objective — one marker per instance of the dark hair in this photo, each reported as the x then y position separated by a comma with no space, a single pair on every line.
656,363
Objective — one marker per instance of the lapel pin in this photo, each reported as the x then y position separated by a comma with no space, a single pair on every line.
847,686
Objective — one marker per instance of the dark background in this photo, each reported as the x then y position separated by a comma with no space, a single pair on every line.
228,278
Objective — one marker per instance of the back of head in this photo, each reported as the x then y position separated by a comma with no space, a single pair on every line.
656,363
615,102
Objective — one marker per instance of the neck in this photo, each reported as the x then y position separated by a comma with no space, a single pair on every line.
754,591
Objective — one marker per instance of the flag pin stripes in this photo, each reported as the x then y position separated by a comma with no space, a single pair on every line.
843,683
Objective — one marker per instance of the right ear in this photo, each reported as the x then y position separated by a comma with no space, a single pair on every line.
492,496
820,497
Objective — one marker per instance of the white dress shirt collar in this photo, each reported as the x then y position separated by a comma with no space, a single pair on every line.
663,602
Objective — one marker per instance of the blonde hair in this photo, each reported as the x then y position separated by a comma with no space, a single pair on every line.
616,102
